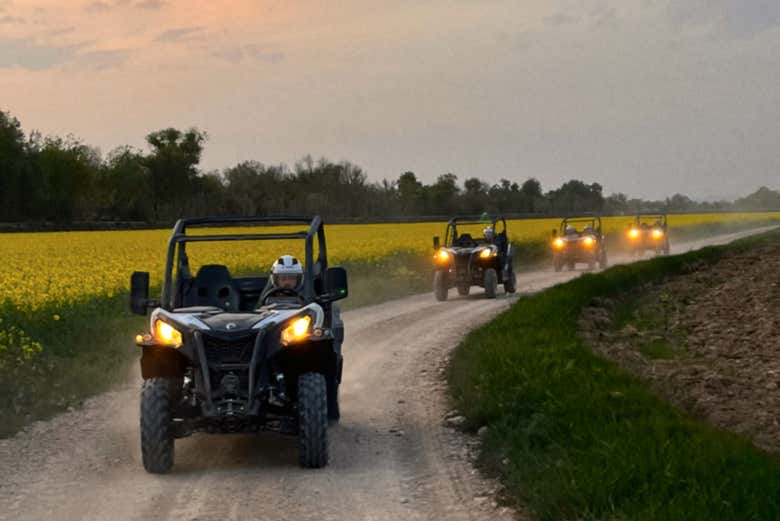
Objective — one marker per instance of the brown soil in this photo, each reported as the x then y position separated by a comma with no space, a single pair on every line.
708,341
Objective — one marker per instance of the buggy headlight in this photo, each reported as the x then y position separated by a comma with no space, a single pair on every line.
633,233
442,256
588,241
486,253
166,335
657,234
558,243
297,330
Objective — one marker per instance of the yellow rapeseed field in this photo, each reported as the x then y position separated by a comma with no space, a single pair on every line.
55,271
64,268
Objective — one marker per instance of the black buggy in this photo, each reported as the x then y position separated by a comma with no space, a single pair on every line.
579,240
466,260
233,354
649,231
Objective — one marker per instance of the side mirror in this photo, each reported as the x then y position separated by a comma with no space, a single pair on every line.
436,243
139,292
336,284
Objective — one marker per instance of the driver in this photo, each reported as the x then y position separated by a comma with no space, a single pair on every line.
570,230
489,234
286,274
588,230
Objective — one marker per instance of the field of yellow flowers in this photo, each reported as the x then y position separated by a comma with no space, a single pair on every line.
50,269
55,271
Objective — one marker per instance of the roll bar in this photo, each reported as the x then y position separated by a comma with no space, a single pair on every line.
179,238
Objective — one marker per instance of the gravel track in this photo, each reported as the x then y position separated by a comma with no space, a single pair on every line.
392,457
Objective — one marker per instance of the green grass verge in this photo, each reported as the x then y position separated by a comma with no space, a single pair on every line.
84,352
575,437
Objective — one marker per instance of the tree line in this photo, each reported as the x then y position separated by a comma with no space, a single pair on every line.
65,180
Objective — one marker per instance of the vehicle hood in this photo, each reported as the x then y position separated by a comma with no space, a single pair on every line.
217,321
460,250
231,322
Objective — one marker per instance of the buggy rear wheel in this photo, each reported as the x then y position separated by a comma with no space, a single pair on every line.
510,286
440,288
603,261
312,421
157,445
334,410
491,283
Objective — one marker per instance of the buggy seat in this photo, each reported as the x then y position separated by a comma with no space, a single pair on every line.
213,286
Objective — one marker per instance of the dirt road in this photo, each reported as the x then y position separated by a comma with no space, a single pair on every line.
392,457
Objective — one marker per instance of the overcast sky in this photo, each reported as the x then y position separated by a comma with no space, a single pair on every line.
647,97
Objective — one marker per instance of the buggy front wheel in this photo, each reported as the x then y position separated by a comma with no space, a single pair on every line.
312,421
491,282
440,288
510,286
157,445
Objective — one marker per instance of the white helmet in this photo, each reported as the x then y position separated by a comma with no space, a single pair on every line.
488,232
570,229
286,272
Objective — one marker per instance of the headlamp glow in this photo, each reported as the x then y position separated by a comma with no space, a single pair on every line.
657,234
588,241
442,256
487,252
297,330
558,243
633,233
167,335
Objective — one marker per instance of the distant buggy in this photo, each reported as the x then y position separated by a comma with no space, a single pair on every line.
649,232
483,259
579,240
235,354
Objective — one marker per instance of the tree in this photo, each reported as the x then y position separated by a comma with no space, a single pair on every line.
251,188
172,166
13,160
761,199
576,196
410,192
125,185
474,195
616,203
531,191
443,193
66,173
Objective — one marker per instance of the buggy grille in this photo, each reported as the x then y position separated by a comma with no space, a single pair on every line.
462,261
233,351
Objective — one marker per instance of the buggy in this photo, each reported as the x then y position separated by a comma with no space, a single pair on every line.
649,231
464,261
231,354
587,245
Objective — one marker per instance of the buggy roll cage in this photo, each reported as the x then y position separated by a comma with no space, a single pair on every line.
595,222
452,226
180,238
652,215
